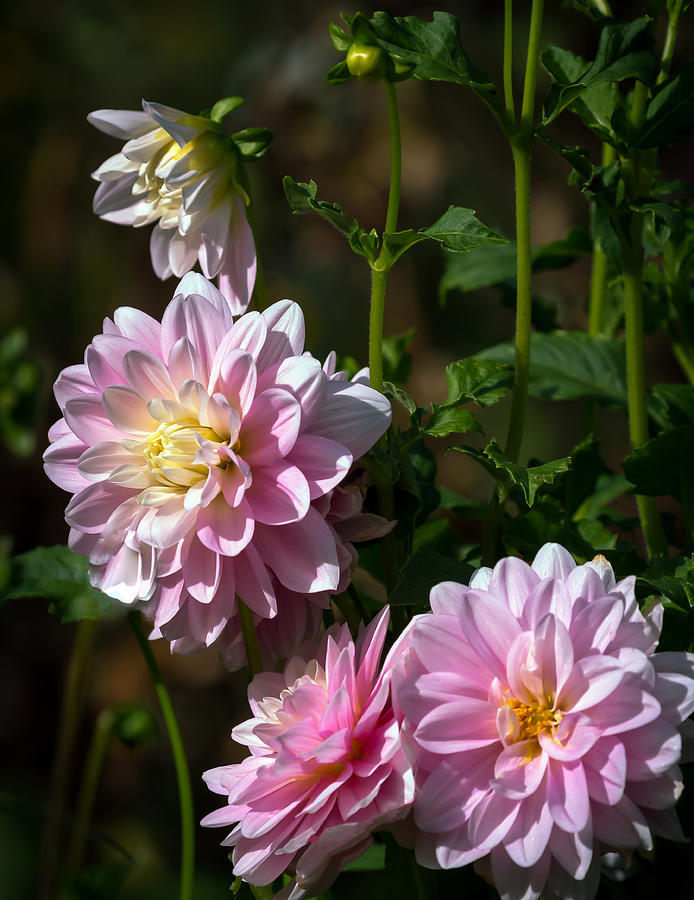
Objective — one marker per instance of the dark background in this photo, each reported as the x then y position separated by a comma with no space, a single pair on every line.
62,270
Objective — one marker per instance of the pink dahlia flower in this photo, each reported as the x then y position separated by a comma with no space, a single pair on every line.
326,767
543,725
299,616
198,450
180,172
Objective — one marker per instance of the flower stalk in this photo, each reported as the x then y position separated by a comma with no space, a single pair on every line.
250,638
185,794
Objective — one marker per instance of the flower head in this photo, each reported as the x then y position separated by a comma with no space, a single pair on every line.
326,767
180,172
543,725
198,451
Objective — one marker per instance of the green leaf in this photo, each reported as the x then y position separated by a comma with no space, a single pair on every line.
338,74
424,570
460,230
60,576
134,724
624,51
661,217
397,362
340,39
253,142
664,465
302,198
670,113
595,105
482,381
674,578
446,420
432,48
673,404
224,106
103,882
371,860
264,892
397,393
529,480
399,242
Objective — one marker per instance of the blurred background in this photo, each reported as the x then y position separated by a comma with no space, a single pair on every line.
62,270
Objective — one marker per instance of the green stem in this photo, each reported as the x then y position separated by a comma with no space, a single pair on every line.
598,280
670,39
379,278
532,64
683,354
90,783
250,638
71,709
508,64
185,795
395,159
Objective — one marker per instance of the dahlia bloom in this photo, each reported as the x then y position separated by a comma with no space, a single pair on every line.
326,767
543,725
198,451
180,171
299,616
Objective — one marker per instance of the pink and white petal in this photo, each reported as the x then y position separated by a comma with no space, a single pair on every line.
215,235
90,509
624,710
139,327
605,765
60,462
205,620
591,680
519,770
490,627
302,555
238,271
526,840
121,123
491,819
285,333
253,582
74,381
353,415
147,375
553,561
324,462
159,251
202,571
183,363
197,319
445,598
223,529
662,792
87,419
279,494
171,523
237,379
594,628
573,850
548,665
303,377
652,750
674,684
270,428
567,795
128,411
457,725
621,826
512,580
571,739
514,882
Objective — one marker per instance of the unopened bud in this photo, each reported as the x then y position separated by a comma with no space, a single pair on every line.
367,62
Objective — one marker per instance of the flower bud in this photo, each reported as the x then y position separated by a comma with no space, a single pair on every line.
367,62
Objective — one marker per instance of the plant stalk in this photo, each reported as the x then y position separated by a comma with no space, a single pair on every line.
508,64
185,794
70,712
255,663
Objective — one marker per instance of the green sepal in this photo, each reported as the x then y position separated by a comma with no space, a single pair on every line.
339,73
61,577
252,143
340,39
224,106
508,473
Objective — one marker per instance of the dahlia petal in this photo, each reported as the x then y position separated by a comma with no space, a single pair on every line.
304,378
515,882
622,825
171,523
595,627
60,463
571,739
238,272
674,685
147,374
353,415
87,419
573,850
223,529
205,621
74,381
285,333
182,126
90,509
627,708
567,795
302,555
526,840
553,561
169,600
512,580
183,363
105,360
279,494
202,571
591,680
651,750
128,411
458,725
197,319
605,765
491,820
253,583
237,379
270,428
445,597
159,241
657,793
519,770
140,328
490,627
121,123
215,235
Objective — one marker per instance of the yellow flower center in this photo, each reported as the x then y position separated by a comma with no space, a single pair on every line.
534,718
170,452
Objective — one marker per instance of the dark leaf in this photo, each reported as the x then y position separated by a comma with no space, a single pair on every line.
481,380
664,465
371,860
60,576
397,362
253,142
446,420
670,113
424,570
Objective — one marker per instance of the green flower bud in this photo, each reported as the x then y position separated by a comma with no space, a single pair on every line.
367,62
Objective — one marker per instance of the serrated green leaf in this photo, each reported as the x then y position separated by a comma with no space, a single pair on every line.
60,576
670,113
397,393
565,365
446,420
664,465
399,242
529,480
673,404
432,48
624,51
663,218
482,381
424,570
253,142
673,578
460,230
303,198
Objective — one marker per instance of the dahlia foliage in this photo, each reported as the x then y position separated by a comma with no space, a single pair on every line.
543,725
409,702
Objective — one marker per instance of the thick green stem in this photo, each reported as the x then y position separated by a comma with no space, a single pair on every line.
379,278
90,783
185,794
670,39
508,64
395,159
70,712
532,64
255,663
598,280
